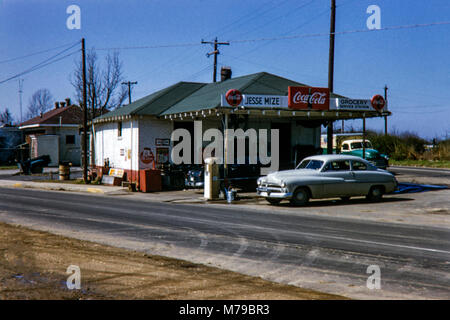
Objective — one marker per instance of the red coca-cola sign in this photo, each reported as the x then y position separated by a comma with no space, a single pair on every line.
233,97
378,102
306,98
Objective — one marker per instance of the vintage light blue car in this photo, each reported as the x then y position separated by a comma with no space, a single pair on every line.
327,176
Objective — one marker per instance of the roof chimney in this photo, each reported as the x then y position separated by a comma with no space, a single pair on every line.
62,104
225,73
56,105
67,101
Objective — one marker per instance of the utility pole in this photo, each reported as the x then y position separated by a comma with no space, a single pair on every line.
385,116
85,113
331,72
129,84
215,53
20,98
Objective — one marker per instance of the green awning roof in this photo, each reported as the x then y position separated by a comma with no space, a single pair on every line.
157,102
191,96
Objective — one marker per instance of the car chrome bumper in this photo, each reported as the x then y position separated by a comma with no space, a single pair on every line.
193,184
279,193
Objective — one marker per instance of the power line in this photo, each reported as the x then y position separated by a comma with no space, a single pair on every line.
342,32
174,45
38,66
310,35
279,17
37,53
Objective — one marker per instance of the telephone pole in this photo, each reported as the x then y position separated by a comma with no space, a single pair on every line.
331,72
385,116
85,113
215,53
20,98
129,84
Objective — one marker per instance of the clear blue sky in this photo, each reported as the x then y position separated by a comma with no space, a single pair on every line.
414,63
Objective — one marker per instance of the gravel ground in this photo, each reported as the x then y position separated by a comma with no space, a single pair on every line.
33,265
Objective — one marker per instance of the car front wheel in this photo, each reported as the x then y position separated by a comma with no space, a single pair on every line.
375,193
300,197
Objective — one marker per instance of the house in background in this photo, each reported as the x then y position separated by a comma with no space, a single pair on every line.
55,133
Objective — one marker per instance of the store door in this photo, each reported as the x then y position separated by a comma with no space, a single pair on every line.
285,144
189,126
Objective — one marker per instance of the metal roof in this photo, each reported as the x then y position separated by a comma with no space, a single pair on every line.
155,103
185,97
65,115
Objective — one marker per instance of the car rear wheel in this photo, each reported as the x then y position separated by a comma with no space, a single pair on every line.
273,201
375,193
300,197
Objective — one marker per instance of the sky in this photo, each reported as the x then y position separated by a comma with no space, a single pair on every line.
286,37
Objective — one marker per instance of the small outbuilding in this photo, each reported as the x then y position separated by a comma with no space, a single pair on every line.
55,133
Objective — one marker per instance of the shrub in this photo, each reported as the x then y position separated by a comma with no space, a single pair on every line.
406,145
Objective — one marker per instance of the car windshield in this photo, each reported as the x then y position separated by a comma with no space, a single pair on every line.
359,145
310,164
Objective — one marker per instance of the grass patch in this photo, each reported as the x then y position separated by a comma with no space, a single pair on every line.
421,163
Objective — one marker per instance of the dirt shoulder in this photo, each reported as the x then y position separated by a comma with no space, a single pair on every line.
33,265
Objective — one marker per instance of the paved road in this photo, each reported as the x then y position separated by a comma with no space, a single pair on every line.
321,253
421,172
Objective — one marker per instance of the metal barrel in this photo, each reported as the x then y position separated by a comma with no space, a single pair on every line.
64,172
231,195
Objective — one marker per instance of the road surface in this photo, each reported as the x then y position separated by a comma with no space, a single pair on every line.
322,253
421,172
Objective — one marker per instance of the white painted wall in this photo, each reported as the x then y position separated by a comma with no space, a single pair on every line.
151,129
48,144
121,151
139,136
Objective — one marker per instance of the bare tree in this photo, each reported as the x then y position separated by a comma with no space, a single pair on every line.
40,102
6,117
104,91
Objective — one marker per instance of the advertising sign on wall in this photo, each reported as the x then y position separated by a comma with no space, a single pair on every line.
147,156
350,104
358,104
308,98
255,100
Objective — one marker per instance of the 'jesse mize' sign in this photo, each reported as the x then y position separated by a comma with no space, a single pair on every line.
254,100
306,98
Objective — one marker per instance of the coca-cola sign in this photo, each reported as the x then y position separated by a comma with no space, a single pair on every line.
307,98
233,97
378,102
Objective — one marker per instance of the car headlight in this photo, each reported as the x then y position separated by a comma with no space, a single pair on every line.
283,184
259,182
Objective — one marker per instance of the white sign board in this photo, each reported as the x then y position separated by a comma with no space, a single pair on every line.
351,104
251,100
